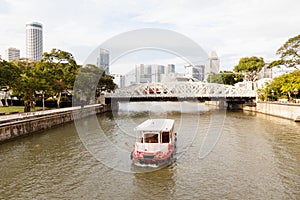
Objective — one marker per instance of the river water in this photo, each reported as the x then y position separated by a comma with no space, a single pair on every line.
220,155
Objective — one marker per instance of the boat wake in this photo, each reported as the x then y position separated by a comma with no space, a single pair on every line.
146,165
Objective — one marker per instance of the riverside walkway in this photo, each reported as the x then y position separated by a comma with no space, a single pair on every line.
34,114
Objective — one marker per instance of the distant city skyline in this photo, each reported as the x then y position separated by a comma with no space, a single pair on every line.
234,29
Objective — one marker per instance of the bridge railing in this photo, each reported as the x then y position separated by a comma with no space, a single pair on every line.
182,89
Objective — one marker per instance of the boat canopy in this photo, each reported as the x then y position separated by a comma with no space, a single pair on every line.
156,125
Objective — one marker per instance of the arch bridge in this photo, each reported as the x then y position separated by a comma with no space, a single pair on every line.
182,91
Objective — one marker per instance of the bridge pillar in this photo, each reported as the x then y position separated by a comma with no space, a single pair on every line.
234,106
102,98
218,104
239,105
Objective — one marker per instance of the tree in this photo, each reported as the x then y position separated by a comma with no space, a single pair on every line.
89,82
54,74
225,77
250,66
286,85
28,82
8,77
86,84
106,82
289,53
61,69
9,74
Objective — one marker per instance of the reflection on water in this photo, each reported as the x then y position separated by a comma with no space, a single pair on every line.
256,157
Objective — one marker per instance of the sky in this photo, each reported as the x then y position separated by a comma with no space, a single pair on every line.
232,28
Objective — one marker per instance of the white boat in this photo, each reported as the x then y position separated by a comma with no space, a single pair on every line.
155,143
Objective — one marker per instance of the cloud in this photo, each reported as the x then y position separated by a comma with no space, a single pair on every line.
5,7
231,27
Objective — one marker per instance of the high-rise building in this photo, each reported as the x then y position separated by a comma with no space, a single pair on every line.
195,71
103,60
265,72
149,73
213,63
130,78
34,40
12,54
170,69
119,80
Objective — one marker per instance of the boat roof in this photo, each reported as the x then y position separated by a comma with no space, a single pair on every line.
156,125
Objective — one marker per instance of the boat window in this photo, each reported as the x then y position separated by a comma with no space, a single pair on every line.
151,138
165,138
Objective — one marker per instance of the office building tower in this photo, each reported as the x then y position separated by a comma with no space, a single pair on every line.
119,80
149,73
170,69
34,40
103,60
130,78
12,54
195,72
213,63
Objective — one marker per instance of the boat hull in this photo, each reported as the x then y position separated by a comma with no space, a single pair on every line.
145,159
150,160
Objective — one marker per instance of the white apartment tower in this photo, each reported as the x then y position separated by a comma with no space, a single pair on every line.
34,40
12,54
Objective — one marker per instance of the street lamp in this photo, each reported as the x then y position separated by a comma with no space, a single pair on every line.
272,92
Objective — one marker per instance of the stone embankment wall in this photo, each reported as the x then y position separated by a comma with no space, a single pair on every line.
283,110
27,123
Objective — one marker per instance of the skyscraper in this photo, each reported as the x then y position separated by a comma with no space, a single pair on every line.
103,60
170,69
151,73
34,40
195,71
213,63
11,54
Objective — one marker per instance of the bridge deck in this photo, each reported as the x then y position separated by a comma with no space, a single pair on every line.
160,98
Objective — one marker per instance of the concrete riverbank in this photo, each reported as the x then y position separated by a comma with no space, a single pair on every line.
289,111
13,126
284,110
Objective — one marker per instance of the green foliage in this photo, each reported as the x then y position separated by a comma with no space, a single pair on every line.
225,77
54,74
275,63
57,70
9,74
27,83
250,66
60,68
90,81
289,53
86,83
107,82
286,85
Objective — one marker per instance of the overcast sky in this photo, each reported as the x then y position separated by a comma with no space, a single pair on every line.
232,28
